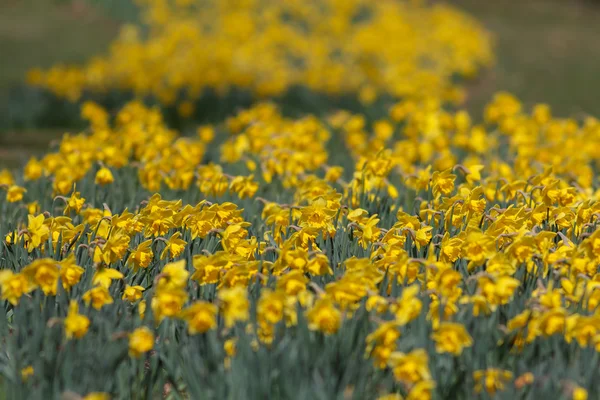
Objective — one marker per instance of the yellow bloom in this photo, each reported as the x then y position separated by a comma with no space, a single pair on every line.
270,308
419,181
377,303
104,276
553,321
141,341
70,273
44,273
33,207
104,176
6,177
15,193
292,283
491,380
243,186
206,133
499,290
234,305
27,372
319,265
333,174
173,276
410,368
33,169
474,173
74,203
585,329
451,338
132,293
142,256
209,268
98,296
113,249
408,306
579,393
324,317
201,317
442,183
76,325
450,248
167,302
14,286
37,231
174,246
230,347
319,214
421,391
382,342
386,334
478,247
142,309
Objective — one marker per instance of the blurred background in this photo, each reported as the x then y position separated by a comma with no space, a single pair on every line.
547,51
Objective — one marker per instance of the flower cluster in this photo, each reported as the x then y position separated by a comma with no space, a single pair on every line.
409,253
444,232
403,48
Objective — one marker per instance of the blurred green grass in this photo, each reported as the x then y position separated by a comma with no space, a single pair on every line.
547,51
41,33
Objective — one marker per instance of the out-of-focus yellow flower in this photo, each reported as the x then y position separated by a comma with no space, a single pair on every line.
44,273
168,302
206,133
15,193
14,286
422,391
104,276
33,170
141,341
579,393
201,317
411,367
27,372
234,305
451,338
98,297
76,325
104,176
324,316
70,273
491,380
